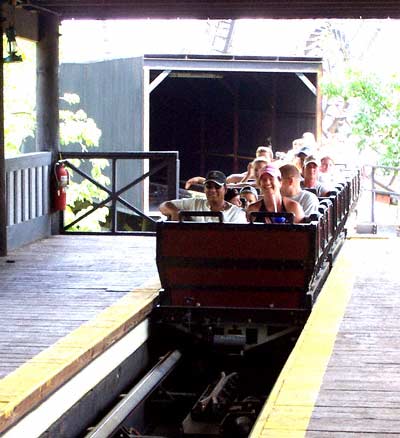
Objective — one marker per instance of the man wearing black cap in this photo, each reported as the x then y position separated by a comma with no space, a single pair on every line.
214,189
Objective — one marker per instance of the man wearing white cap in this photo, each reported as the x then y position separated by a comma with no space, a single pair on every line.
214,189
311,173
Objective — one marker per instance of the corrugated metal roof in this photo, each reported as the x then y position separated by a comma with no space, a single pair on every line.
233,63
218,9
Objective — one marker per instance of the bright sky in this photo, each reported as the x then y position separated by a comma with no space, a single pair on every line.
372,42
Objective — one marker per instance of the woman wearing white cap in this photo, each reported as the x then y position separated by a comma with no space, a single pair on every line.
273,201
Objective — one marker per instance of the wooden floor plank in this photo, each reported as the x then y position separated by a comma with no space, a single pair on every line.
63,301
31,383
51,287
358,393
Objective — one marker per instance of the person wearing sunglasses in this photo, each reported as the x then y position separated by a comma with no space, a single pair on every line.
215,191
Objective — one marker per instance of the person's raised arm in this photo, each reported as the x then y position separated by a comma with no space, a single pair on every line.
194,180
249,172
169,209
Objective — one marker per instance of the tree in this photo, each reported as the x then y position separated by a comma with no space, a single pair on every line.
375,124
19,99
76,128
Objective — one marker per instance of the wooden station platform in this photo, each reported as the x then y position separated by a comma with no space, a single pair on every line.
342,379
63,301
66,299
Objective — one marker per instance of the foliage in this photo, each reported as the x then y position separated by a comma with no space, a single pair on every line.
376,121
76,128
19,98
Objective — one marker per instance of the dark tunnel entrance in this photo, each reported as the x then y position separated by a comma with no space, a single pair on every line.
217,119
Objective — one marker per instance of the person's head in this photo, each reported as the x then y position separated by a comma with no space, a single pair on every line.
290,182
270,180
232,195
301,155
327,164
258,164
297,144
265,151
310,142
249,194
309,139
311,166
304,152
215,187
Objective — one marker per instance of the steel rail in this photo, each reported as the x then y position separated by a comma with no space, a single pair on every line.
114,419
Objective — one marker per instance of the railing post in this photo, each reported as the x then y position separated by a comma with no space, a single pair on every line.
173,177
114,214
373,195
3,201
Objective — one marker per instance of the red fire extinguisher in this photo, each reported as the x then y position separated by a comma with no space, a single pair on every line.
61,180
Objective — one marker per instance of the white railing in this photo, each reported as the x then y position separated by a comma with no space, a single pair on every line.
379,206
28,194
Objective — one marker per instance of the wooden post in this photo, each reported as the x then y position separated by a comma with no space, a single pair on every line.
3,204
203,147
173,177
273,114
236,128
47,93
318,109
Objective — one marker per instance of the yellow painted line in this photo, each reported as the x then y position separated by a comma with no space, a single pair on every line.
31,383
288,410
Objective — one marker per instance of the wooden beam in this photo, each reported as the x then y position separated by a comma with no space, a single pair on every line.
318,109
219,9
273,134
47,93
307,83
236,108
203,146
26,24
157,81
3,204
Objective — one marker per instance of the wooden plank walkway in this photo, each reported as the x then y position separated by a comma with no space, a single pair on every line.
343,377
51,287
341,380
63,301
